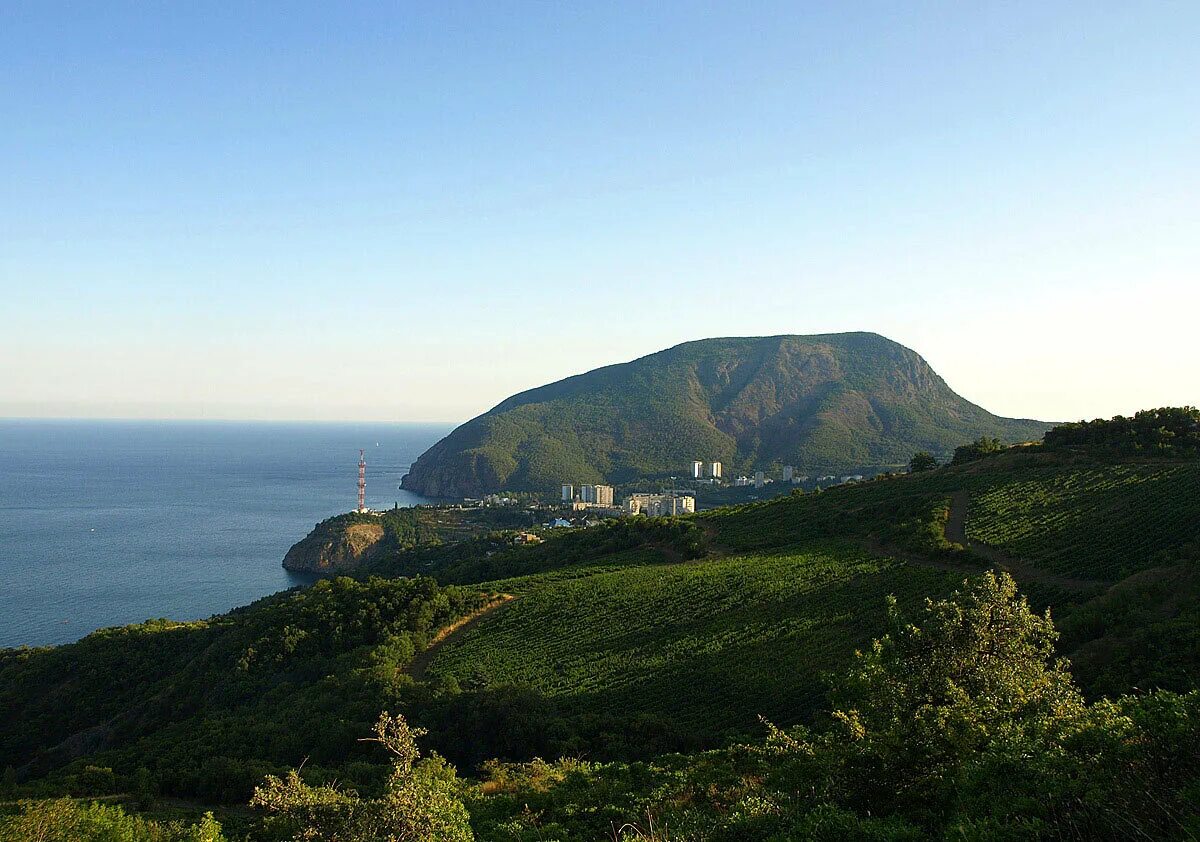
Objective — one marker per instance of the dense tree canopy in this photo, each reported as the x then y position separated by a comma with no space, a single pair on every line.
978,449
922,460
1169,431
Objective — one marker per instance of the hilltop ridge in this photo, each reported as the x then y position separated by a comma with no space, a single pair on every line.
829,403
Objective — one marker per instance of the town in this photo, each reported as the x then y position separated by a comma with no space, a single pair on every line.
702,485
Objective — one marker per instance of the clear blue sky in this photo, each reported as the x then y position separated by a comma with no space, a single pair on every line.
409,211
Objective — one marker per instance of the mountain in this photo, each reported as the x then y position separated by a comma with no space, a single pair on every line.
832,403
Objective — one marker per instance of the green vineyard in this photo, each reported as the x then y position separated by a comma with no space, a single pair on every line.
1096,521
712,644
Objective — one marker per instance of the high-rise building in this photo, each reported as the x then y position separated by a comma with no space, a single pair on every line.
659,505
714,470
759,479
697,470
788,473
596,495
676,505
568,493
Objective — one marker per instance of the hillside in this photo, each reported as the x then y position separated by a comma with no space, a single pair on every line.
834,403
350,541
608,621
211,706
802,580
631,640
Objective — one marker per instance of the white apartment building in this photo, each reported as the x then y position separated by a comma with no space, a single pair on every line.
697,470
658,505
714,470
568,493
596,495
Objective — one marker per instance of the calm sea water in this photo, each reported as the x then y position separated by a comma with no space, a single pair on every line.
104,523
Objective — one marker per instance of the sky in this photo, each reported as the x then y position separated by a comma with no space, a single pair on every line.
409,211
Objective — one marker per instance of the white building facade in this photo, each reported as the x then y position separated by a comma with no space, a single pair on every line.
596,495
660,505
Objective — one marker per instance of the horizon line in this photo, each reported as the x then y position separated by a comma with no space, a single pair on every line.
222,420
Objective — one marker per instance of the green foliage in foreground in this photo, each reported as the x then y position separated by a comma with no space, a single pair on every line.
206,709
419,803
958,724
64,820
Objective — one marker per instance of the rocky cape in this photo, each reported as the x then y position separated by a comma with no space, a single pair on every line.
336,545
832,403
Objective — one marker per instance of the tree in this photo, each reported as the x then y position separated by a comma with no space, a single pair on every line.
922,461
931,696
981,447
419,803
1167,431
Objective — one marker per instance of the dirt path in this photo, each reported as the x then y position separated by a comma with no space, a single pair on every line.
956,532
956,523
421,662
877,547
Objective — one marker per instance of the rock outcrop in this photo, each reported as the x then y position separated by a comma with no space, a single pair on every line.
333,547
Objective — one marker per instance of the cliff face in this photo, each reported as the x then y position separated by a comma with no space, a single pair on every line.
334,548
835,403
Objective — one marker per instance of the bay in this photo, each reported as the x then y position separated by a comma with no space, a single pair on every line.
111,522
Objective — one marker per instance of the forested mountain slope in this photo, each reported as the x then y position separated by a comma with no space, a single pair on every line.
833,403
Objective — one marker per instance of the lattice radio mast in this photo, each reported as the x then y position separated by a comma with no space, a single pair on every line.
362,481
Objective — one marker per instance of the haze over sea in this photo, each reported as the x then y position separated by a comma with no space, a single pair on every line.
110,522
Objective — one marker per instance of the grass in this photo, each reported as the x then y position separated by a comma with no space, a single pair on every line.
713,644
1094,520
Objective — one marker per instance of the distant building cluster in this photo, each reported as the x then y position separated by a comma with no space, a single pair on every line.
599,500
660,505
706,470
792,478
588,496
499,500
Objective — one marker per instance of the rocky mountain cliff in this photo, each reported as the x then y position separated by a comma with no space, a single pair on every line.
335,546
833,403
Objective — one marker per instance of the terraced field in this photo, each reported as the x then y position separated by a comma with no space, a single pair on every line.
712,644
1097,521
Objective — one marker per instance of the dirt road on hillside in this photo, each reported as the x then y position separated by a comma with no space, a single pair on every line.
421,662
956,532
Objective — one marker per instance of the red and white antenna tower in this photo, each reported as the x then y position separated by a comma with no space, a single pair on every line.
362,482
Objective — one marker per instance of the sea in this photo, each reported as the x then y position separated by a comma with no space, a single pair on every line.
104,523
